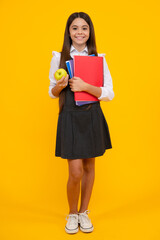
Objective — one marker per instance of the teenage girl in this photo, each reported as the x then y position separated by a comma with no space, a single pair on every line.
82,131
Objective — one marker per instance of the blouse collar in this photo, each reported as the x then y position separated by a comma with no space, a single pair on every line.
74,49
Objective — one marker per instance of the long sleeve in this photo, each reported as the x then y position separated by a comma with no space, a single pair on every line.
54,66
107,89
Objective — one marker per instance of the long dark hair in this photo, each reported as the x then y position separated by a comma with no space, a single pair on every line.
65,53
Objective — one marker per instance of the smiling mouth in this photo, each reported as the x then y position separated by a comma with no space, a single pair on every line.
79,37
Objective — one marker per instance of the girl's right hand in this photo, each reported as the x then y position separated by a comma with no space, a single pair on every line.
63,82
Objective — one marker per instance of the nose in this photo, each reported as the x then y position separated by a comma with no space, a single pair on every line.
79,31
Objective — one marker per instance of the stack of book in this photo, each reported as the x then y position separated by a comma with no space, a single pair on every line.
89,69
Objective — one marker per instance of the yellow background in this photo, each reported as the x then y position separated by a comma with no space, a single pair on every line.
126,193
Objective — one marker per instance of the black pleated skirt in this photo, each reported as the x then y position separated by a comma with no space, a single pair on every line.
82,132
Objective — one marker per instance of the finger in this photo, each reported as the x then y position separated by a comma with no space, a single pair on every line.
66,80
61,80
67,76
65,84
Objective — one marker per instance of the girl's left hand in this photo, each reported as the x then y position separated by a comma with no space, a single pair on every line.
77,84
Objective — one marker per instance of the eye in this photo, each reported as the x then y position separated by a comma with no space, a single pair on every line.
76,28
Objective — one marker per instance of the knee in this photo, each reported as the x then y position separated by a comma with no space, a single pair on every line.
89,165
88,169
76,175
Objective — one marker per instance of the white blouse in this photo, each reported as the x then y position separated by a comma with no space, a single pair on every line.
107,89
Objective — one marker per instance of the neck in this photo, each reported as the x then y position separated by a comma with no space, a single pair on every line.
79,47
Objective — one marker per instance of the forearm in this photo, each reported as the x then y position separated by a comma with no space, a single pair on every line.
56,90
96,91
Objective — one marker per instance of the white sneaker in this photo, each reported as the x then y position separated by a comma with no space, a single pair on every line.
72,223
85,222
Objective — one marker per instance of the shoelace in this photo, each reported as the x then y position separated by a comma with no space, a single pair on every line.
71,216
84,214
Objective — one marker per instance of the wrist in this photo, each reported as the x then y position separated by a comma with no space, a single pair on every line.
86,87
60,88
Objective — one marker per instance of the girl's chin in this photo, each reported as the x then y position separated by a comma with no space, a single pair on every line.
80,41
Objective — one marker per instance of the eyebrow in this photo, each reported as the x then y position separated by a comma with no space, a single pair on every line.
77,26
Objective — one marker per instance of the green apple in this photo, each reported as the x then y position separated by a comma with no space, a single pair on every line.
60,73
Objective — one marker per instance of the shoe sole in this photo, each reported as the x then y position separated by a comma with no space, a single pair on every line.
86,230
71,231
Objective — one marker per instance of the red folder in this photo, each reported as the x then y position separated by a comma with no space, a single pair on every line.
90,70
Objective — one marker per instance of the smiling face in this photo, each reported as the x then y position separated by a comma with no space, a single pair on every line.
79,33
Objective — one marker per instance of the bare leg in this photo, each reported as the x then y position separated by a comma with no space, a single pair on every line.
87,182
73,184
